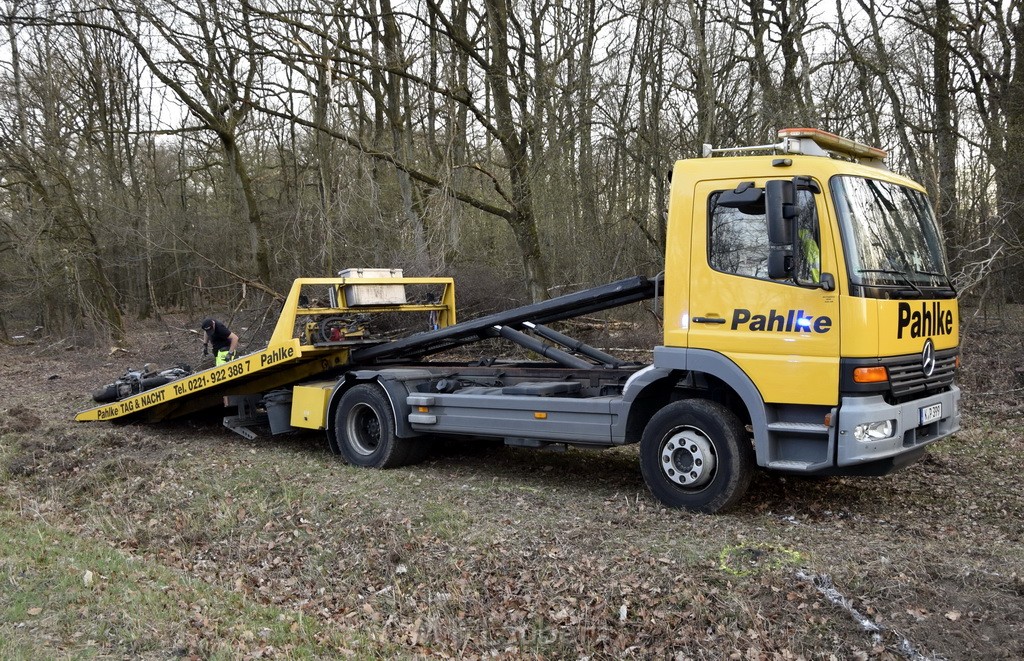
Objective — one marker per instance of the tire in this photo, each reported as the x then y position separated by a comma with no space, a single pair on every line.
107,393
365,429
695,454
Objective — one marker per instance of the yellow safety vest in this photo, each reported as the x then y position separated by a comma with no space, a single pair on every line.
811,253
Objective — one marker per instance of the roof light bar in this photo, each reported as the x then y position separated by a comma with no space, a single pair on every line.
832,142
810,142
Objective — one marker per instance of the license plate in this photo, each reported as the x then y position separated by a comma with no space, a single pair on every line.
930,413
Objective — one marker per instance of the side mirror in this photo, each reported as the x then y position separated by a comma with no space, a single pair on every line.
780,210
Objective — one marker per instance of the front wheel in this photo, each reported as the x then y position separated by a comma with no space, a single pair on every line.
695,454
107,393
365,429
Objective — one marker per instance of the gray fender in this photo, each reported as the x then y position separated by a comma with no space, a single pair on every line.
669,359
392,381
636,383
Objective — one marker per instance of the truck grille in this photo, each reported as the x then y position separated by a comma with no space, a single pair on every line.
906,375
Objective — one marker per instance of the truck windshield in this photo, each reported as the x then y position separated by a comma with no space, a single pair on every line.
891,237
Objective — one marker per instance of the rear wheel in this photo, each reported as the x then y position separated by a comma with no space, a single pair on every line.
365,429
695,454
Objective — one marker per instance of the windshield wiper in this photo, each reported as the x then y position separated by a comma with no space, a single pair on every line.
949,292
902,292
949,283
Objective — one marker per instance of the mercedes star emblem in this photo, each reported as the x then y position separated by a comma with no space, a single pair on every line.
928,358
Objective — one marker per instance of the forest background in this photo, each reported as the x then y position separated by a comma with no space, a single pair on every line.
157,155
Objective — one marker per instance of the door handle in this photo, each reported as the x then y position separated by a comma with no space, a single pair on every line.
708,320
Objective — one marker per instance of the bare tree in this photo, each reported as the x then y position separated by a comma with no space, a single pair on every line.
47,164
199,54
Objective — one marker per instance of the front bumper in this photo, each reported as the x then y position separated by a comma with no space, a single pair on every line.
909,436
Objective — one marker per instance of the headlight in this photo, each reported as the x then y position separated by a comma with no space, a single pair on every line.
874,431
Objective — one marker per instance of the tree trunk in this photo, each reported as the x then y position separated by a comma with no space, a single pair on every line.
259,244
945,129
397,110
514,146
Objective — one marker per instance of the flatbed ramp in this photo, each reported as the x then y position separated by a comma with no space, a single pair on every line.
289,360
274,367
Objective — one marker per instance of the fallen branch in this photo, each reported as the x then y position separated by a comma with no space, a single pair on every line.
255,284
823,584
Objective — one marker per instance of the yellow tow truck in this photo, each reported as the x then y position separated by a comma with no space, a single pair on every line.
810,327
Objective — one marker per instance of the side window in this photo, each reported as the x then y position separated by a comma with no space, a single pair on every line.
739,236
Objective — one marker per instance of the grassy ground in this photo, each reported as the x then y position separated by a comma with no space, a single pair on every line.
186,541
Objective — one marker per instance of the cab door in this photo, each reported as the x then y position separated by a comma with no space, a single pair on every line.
783,335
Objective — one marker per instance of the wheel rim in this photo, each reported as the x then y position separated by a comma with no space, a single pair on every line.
363,429
688,458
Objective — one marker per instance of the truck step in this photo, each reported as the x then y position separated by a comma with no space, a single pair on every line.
792,465
797,427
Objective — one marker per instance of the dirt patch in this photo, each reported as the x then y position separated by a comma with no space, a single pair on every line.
18,418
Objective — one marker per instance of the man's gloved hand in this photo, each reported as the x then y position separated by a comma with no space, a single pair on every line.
232,355
206,350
